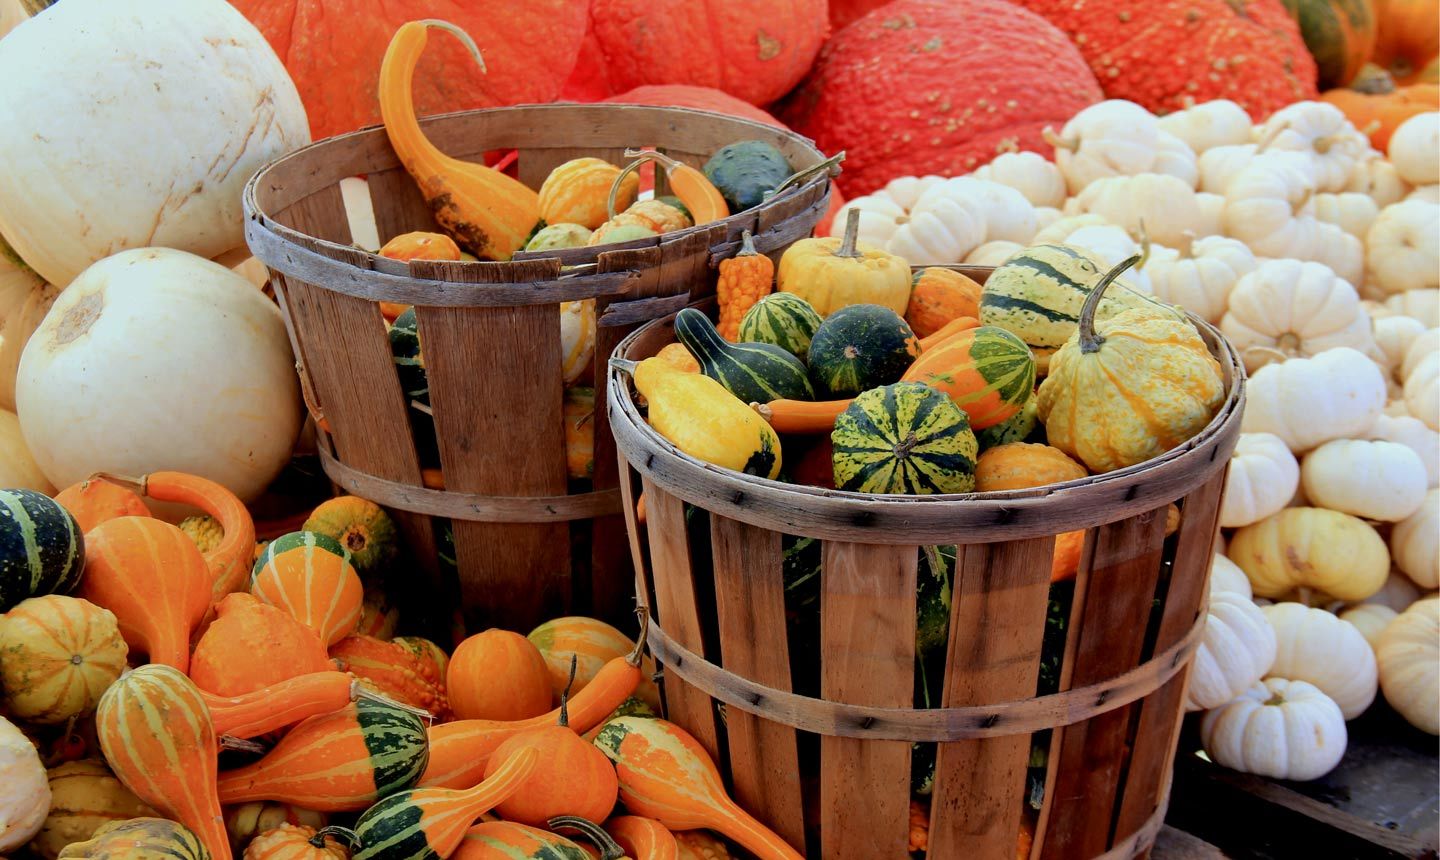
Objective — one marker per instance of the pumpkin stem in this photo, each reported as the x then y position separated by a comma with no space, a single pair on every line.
358,692
747,245
1144,246
1089,340
345,834
565,695
1373,80
636,655
1275,699
624,365
764,411
1057,141
801,176
1269,353
619,180
230,742
1187,245
609,849
139,485
852,236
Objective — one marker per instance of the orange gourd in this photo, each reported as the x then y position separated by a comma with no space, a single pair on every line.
666,775
947,331
292,842
245,821
156,735
745,279
1376,106
676,355
1021,465
1065,563
317,588
700,196
506,840
498,675
487,212
274,707
575,192
1407,37
96,500
938,297
657,215
251,645
592,643
150,574
421,246
429,653
803,416
986,371
643,838
394,670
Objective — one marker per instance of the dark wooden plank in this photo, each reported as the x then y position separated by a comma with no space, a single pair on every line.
867,643
399,206
1000,596
750,605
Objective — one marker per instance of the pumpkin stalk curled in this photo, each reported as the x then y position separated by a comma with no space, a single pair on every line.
609,848
1090,341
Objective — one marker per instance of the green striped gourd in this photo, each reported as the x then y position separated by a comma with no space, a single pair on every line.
860,347
1016,428
409,363
986,371
138,839
305,541
430,823
338,762
904,438
155,732
784,320
510,840
1037,294
753,372
42,550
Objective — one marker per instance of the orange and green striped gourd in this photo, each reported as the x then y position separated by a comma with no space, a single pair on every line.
509,840
156,734
430,823
320,589
229,561
368,533
592,643
138,839
342,761
643,838
987,371
666,775
279,705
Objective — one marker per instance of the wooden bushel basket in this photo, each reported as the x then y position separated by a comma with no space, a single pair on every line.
832,772
491,345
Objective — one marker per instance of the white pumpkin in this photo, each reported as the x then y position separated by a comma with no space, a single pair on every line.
1425,194
1423,305
17,464
906,191
1045,216
993,253
1030,173
879,218
1262,479
1161,207
1314,646
1422,391
1264,208
1379,179
1174,157
1277,728
158,359
1409,658
1108,245
24,301
1060,229
1393,335
153,119
1199,275
1425,344
1370,619
24,788
1235,651
1007,215
1403,248
1415,543
941,231
1414,147
1220,164
1341,252
1372,479
1397,593
1322,132
1212,214
1209,124
1349,210
1286,308
577,338
1111,138
1338,394
1411,432
1226,575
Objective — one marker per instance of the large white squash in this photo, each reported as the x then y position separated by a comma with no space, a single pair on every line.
1375,480
1409,658
127,125
158,359
1236,650
1277,728
1314,646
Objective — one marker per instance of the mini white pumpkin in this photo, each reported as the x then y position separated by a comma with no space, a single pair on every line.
1372,479
1174,157
1161,206
1409,658
1425,194
906,191
1278,728
993,253
1286,308
17,464
1209,124
1370,619
1341,252
1235,651
1414,147
1045,216
1108,245
1030,173
1425,344
1226,575
880,216
577,337
1199,275
1423,305
1111,138
1378,178
1338,394
1411,432
1007,215
1304,550
1220,164
1393,336
1212,214
1397,593
939,231
1403,248
1415,543
1057,231
1322,132
1264,208
1422,390
1314,646
1262,479
1349,210
24,788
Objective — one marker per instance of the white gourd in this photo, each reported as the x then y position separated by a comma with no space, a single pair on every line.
1349,210
1209,124
1397,593
1108,245
1423,305
1045,216
1226,575
1393,336
1263,477
1161,206
1425,194
577,338
1111,138
1338,394
1007,215
1277,728
1174,157
1372,479
1220,164
1403,248
1322,132
1030,173
907,190
1236,649
1264,208
1411,432
879,218
993,253
1057,231
24,789
1341,252
1409,658
1425,344
1422,390
940,231
1314,646
1378,178
1199,275
1212,214
1413,148
1289,308
17,465
1415,543
1370,619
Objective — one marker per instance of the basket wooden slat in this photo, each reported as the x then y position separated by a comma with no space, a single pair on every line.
398,205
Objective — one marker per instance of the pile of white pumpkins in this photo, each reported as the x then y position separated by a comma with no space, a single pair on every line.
1319,258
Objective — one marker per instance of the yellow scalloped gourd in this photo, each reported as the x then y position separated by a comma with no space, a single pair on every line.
576,192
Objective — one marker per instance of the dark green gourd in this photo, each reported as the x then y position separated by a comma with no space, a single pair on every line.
753,372
745,171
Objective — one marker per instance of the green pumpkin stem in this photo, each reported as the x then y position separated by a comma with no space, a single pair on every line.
358,692
1089,340
801,176
609,848
852,235
565,694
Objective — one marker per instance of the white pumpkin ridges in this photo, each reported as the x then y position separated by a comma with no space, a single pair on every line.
1236,650
1278,728
1409,661
1314,646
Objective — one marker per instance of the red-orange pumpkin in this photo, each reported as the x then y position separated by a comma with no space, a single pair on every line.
1407,37
394,670
251,645
94,501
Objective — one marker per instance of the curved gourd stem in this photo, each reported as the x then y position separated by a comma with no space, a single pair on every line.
801,176
637,655
1090,341
747,245
1144,245
620,179
565,694
609,848
852,236
624,365
1049,136
349,836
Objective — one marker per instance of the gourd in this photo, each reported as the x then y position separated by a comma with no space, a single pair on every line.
1164,207
703,845
643,838
555,237
1403,247
156,735
701,198
1314,646
1421,348
753,372
1415,543
832,274
430,654
1236,650
1199,274
81,198
1225,575
577,338
420,245
744,279
505,840
1377,106
1019,465
1112,138
622,228
1378,178
666,775
25,800
858,347
317,588
1265,208
1277,728
659,215
1349,210
1219,122
802,416
940,296
42,550
593,644
1107,245
362,527
245,821
430,823
1409,662
1398,592
291,842
1338,394
1422,304
283,703
140,839
1422,391
994,253
1030,173
217,365
987,371
342,761
60,655
577,191
700,418
488,213
1311,549
948,331
1393,336
880,217
1004,212
394,670
84,796
1321,132
152,576
1406,40
1413,146
904,438
946,230
1086,402
378,616
276,645
1372,480
746,171
1370,619
1262,480
18,468
782,319
577,412
1287,308
498,675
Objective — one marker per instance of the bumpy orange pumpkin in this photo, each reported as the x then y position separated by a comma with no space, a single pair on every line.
292,842
395,670
251,645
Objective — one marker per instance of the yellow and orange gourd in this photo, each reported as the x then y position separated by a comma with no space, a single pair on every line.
745,279
578,191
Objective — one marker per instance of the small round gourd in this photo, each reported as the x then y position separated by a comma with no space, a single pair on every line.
576,192
1338,394
555,237
245,821
781,319
937,297
292,842
745,171
96,500
592,643
84,796
571,777
1415,543
1373,480
1235,651
858,348
1413,146
1370,619
251,645
1021,465
904,438
1409,660
1219,122
833,273
1030,173
24,789
1277,728
1422,391
498,675
1262,479
317,588
1311,548
1199,274
1291,308
42,549
1226,575
1403,248
359,525
1314,646
987,371
139,838
60,653
577,337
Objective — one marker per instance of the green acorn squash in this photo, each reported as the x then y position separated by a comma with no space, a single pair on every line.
904,438
42,549
860,347
745,171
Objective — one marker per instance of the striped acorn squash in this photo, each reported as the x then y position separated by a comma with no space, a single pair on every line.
784,320
987,371
860,347
409,363
60,654
139,839
302,540
1037,294
904,438
362,527
753,372
42,550
317,588
1017,428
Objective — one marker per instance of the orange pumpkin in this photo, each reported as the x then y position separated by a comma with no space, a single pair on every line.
643,838
394,670
1375,105
245,821
1021,465
251,645
939,296
96,500
318,588
571,776
498,675
292,842
1065,563
1407,38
